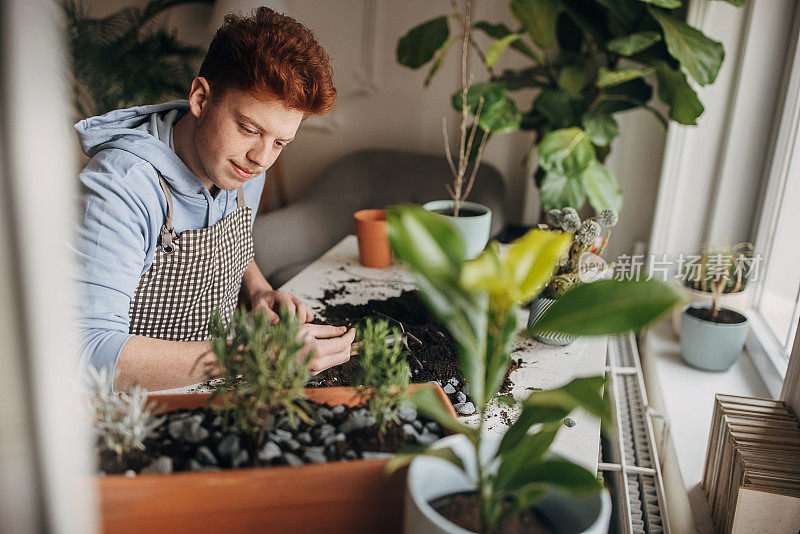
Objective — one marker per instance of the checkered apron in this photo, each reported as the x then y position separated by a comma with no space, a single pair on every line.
192,274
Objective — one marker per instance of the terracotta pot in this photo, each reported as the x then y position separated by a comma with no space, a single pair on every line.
337,497
373,238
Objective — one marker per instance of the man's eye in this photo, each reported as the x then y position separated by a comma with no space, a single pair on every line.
248,130
279,144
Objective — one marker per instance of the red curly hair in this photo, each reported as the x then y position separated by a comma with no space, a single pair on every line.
271,53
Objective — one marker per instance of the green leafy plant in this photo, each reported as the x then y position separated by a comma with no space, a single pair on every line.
263,369
383,372
478,300
128,58
122,421
588,61
584,254
727,263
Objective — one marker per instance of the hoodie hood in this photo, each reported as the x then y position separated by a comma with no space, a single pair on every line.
146,132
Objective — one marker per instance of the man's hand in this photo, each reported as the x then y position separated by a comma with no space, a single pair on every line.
331,345
271,301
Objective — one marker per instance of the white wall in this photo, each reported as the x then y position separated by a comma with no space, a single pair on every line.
396,112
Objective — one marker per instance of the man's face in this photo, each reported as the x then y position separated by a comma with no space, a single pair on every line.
240,134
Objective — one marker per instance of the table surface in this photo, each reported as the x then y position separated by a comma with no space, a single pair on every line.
543,366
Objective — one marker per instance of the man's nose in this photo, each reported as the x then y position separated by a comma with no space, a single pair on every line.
260,154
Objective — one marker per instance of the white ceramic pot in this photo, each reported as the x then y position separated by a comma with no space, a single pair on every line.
734,301
430,478
474,230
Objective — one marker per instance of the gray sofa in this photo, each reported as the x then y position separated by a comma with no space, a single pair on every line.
290,238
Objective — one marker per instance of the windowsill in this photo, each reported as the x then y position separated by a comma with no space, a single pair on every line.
685,395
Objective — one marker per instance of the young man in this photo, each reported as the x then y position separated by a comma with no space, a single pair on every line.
169,198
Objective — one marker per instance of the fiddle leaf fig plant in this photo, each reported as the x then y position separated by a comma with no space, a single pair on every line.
585,62
478,300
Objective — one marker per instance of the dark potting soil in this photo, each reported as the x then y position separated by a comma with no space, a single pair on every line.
203,439
463,212
724,316
433,351
463,509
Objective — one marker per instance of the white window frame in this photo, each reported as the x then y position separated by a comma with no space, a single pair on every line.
767,352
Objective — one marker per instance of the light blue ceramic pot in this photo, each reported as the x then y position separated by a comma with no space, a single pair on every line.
710,346
538,307
474,230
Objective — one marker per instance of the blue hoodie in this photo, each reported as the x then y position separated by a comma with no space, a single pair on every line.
122,210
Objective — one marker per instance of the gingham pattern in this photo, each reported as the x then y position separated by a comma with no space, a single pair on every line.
539,306
175,297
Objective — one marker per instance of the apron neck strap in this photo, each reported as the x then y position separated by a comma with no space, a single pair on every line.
167,231
239,198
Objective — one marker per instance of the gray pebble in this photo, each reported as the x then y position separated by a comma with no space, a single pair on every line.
465,388
433,426
291,444
409,432
205,456
324,412
427,437
569,422
229,447
339,410
314,455
292,459
269,452
323,431
453,382
449,389
175,428
130,473
351,455
357,421
304,438
368,455
407,412
162,464
217,435
281,435
194,465
461,396
217,422
241,459
195,433
417,425
335,438
437,382
466,408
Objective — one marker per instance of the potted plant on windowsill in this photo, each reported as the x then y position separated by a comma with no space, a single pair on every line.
699,270
583,263
504,480
257,454
712,337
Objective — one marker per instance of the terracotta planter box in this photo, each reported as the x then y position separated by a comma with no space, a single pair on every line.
337,497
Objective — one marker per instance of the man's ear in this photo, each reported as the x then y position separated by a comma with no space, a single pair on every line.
199,96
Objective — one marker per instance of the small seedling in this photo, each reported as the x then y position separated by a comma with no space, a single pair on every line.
122,421
383,372
263,369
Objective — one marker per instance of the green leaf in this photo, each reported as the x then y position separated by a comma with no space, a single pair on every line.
607,78
567,152
500,30
493,95
425,242
504,118
418,46
429,404
666,4
601,127
700,56
445,453
441,54
558,191
602,188
609,307
520,445
561,474
673,88
558,108
538,17
736,3
532,258
568,34
513,80
572,79
495,50
633,43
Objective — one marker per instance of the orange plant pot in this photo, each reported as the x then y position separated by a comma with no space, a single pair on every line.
373,238
336,497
